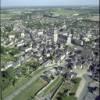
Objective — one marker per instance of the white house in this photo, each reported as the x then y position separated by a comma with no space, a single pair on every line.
40,33
28,49
69,39
11,37
22,35
53,71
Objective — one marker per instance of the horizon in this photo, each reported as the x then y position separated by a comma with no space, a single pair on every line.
51,6
47,3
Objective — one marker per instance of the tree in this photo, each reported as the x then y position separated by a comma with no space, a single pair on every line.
2,51
33,64
9,76
9,28
14,81
13,51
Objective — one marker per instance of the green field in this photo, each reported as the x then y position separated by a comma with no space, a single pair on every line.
10,89
68,86
64,12
51,88
21,81
31,90
69,98
24,82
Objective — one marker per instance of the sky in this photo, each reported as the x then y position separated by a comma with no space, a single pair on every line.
10,3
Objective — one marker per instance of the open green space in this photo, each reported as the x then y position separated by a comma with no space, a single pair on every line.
76,84
51,88
7,54
7,58
23,82
69,98
31,90
20,82
68,89
10,89
64,12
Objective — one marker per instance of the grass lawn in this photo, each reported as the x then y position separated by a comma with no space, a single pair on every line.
52,87
68,86
7,58
0,92
69,98
20,82
74,88
65,12
31,90
10,89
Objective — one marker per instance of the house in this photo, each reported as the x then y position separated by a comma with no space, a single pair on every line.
70,75
28,49
8,65
77,42
50,73
48,54
53,71
62,57
69,39
62,38
55,35
47,63
40,33
22,35
20,44
11,37
45,78
59,69
86,39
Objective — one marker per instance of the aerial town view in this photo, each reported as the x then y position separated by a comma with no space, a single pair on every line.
49,50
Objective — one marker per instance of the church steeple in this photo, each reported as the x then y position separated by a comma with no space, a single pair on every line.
55,35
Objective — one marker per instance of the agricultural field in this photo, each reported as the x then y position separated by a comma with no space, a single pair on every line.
31,90
51,87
